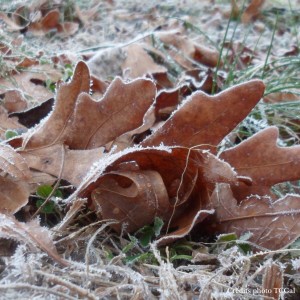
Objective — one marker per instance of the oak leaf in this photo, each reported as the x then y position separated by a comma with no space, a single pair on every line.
206,120
50,130
121,109
137,185
273,224
264,162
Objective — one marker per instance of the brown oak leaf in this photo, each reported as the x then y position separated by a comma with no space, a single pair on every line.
206,120
264,162
272,224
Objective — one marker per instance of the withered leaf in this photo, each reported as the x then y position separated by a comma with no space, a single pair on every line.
13,194
13,26
273,225
31,234
188,51
121,109
173,183
50,130
135,55
7,123
252,10
131,197
70,165
206,120
14,101
32,82
272,280
263,161
13,163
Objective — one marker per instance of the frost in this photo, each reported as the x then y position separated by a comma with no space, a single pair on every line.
296,264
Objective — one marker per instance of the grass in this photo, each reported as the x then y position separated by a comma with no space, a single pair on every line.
109,266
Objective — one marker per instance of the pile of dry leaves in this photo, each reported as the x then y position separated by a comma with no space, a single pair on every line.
137,147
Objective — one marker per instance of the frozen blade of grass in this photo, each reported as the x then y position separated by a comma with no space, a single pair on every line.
270,46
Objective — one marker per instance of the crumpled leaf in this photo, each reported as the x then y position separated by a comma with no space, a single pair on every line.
129,196
206,120
168,183
31,234
264,162
273,225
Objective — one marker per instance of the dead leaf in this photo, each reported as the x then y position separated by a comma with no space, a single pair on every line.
45,24
7,123
14,101
70,165
205,120
31,234
273,225
252,10
272,281
135,55
14,179
50,130
186,51
12,25
130,198
32,82
14,194
121,109
170,183
264,162
281,97
13,163
67,28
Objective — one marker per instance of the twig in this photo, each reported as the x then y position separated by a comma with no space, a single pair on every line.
19,286
72,287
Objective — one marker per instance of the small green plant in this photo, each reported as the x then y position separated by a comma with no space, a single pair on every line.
149,232
45,192
10,134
